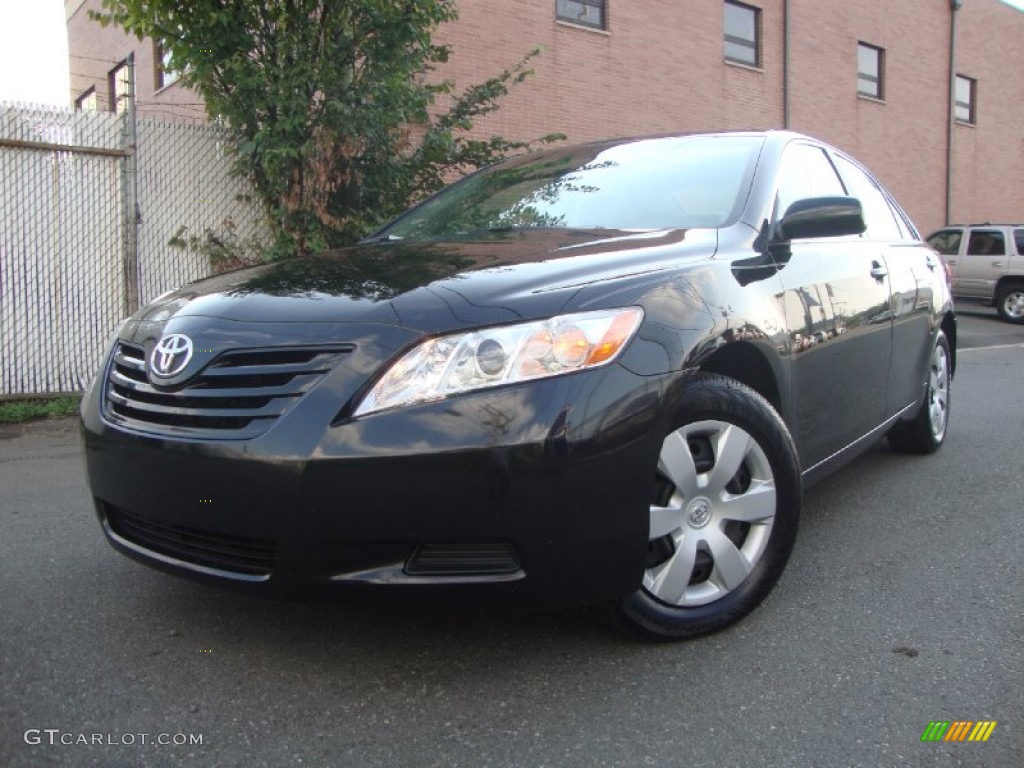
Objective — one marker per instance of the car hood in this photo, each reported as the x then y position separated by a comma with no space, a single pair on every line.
435,286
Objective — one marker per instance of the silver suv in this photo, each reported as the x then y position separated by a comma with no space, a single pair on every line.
987,264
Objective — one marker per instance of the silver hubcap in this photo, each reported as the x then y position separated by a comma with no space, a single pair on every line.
1013,304
716,523
938,392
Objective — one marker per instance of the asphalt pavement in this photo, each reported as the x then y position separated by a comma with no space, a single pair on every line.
901,606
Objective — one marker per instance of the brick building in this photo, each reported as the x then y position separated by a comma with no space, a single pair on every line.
873,77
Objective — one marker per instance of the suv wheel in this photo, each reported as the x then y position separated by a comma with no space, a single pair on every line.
1010,302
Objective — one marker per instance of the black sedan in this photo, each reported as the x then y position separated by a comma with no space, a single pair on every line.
600,374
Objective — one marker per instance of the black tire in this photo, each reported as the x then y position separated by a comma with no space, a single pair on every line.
1010,302
712,427
926,432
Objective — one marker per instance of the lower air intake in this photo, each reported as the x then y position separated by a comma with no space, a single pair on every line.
234,554
486,558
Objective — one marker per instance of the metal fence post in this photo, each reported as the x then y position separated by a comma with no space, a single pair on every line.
130,196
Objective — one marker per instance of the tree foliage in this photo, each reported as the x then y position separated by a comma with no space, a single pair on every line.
329,102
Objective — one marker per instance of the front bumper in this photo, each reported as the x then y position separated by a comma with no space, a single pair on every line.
537,493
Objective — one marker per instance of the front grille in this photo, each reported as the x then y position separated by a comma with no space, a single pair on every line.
235,554
483,558
238,395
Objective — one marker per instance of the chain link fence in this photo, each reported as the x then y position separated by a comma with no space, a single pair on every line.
62,286
184,180
85,226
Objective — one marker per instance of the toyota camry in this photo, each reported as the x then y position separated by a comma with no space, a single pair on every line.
594,375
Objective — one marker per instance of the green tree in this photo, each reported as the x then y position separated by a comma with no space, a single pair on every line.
329,103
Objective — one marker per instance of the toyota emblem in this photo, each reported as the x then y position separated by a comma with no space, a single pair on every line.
171,355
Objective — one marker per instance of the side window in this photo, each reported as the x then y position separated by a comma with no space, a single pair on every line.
906,225
878,214
946,242
1018,235
986,242
805,172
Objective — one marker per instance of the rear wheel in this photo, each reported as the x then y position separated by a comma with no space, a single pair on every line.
1010,302
926,432
723,516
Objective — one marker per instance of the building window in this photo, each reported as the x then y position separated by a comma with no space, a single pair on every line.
87,101
166,74
589,13
120,88
742,33
966,107
870,71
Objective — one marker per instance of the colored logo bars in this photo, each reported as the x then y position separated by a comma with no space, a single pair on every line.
958,730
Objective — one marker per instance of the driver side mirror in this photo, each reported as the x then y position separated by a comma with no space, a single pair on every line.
815,217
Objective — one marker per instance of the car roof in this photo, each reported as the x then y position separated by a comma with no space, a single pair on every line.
979,224
774,135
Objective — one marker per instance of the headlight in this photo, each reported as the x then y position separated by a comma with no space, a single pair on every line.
463,362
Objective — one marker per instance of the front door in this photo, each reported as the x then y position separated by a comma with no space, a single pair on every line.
837,309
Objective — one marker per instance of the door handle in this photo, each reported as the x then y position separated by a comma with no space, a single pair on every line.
997,263
878,271
951,262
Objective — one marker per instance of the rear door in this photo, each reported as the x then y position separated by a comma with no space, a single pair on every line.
913,271
1016,265
986,259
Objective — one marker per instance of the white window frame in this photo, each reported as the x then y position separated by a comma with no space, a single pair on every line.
871,84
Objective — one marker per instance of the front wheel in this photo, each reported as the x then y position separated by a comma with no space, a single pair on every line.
723,517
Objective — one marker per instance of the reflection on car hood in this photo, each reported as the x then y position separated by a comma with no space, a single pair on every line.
480,278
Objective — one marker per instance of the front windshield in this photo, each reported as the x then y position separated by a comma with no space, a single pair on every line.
672,183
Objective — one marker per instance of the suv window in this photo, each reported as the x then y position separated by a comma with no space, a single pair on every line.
986,242
1018,235
946,242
